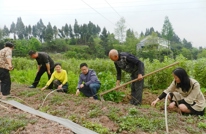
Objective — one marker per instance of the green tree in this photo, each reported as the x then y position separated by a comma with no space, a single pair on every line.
202,53
71,32
5,31
20,28
48,33
131,41
167,30
186,44
40,30
104,41
120,30
13,29
55,30
76,29
35,31
66,30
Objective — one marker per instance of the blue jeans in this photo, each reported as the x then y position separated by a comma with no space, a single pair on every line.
94,87
90,90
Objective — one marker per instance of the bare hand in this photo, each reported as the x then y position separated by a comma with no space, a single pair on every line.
43,88
81,86
10,67
60,86
118,83
139,77
77,92
49,72
154,103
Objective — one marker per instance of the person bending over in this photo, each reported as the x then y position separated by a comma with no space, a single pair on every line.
45,64
130,64
88,83
190,99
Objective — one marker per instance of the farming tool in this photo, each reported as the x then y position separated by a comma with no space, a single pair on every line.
115,88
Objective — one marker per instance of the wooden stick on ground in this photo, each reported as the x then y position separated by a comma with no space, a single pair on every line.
101,94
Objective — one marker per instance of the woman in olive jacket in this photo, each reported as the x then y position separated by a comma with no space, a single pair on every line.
187,91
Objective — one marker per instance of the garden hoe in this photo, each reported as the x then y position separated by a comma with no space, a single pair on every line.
115,88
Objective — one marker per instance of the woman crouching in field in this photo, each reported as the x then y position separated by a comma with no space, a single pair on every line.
187,91
59,78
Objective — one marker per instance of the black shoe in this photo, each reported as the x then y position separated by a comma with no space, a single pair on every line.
32,86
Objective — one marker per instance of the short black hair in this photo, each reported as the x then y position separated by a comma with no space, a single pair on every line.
83,64
57,64
31,52
9,44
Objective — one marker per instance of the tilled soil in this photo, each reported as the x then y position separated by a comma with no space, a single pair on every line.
81,110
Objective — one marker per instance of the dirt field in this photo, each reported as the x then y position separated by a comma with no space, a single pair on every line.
85,111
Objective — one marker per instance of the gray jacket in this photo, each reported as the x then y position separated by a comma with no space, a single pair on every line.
89,78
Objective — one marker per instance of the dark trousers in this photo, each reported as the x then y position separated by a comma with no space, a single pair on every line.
42,70
5,81
56,83
91,90
136,90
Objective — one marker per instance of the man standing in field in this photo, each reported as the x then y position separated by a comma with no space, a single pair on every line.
5,67
45,64
131,64
88,83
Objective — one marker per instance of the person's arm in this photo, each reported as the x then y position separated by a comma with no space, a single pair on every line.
78,86
79,82
48,68
49,82
119,74
171,88
8,55
65,79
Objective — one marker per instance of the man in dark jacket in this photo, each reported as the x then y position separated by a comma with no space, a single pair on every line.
129,63
88,83
45,64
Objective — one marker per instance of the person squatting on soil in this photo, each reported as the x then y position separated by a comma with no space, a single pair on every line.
88,83
59,78
45,64
5,67
187,91
130,64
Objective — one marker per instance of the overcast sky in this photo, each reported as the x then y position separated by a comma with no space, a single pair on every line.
188,17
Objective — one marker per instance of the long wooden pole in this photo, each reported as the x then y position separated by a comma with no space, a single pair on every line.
137,78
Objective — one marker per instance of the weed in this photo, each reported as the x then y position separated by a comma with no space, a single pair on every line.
44,109
95,112
202,125
133,111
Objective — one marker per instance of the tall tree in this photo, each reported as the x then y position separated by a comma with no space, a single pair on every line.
40,29
5,31
120,29
71,32
76,29
34,31
105,41
55,30
167,30
29,31
20,28
66,30
48,33
13,29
